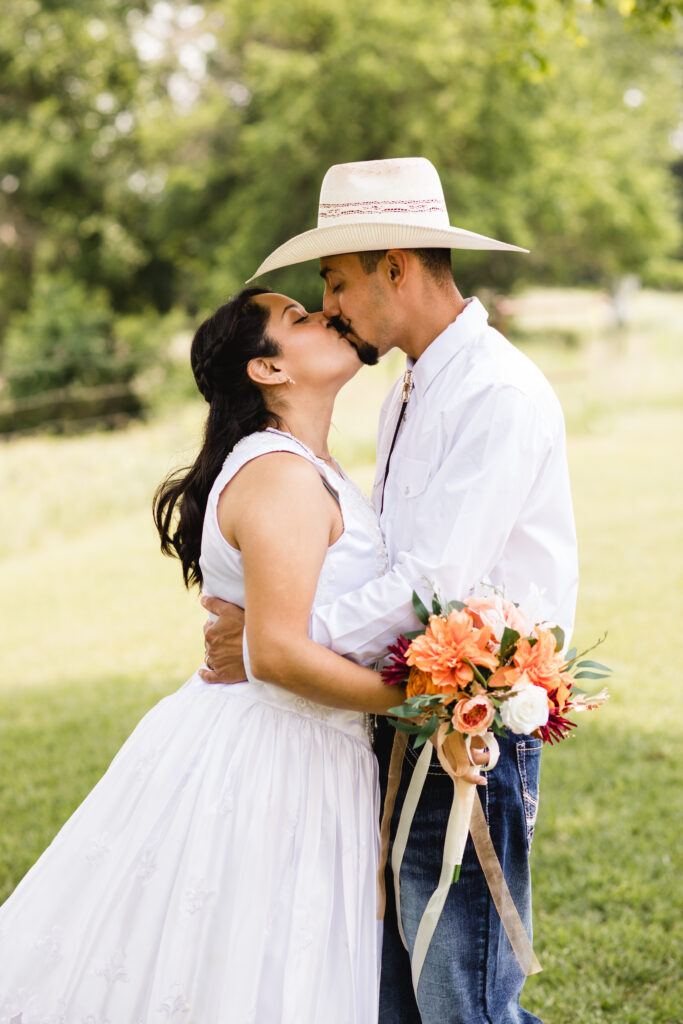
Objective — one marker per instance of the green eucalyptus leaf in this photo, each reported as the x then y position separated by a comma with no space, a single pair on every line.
426,700
507,642
427,730
419,609
403,711
408,727
558,633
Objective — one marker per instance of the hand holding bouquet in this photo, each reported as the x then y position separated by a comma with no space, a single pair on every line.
478,668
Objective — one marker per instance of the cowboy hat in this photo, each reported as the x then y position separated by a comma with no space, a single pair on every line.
379,204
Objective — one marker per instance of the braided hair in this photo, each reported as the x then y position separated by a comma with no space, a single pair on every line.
221,350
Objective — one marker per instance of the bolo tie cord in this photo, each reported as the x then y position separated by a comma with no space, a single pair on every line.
405,395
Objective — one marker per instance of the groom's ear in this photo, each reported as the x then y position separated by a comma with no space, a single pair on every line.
395,266
264,372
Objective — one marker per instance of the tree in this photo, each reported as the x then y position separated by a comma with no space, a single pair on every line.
548,157
152,155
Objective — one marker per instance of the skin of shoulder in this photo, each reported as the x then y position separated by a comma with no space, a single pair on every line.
277,512
274,483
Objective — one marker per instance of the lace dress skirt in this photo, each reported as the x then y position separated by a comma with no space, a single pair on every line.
222,870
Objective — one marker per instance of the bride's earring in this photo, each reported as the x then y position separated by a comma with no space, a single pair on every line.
290,381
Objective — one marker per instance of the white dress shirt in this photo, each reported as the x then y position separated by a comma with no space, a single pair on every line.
477,491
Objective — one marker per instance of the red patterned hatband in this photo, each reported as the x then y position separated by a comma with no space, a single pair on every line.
379,206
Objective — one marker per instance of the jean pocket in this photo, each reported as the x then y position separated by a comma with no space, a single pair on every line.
412,756
529,766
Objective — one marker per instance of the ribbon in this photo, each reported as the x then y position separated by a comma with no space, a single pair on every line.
466,816
393,779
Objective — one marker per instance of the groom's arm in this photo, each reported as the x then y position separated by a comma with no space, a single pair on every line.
463,520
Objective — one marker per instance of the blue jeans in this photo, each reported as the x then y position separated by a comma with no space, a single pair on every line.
470,975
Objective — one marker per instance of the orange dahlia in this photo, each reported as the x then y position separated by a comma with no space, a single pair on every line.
540,663
444,647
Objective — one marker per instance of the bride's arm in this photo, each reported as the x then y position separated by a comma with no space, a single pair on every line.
282,518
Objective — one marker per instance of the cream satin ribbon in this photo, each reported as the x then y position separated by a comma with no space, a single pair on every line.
466,817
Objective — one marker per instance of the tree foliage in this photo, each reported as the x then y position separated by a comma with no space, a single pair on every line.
549,157
152,154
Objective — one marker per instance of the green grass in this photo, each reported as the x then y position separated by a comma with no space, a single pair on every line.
95,627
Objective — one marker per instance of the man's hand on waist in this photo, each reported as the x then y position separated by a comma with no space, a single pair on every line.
223,642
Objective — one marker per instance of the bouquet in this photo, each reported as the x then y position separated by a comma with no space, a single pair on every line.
478,669
482,666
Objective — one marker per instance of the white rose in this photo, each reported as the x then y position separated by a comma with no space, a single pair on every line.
525,709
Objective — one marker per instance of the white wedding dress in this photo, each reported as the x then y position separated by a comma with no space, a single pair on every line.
223,870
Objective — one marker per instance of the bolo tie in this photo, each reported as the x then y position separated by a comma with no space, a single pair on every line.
405,395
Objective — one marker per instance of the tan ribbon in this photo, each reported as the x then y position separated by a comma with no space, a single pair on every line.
398,750
466,816
500,894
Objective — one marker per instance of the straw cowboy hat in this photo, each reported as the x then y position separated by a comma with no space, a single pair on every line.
379,204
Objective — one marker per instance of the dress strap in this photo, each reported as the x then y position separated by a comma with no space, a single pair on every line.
265,442
330,488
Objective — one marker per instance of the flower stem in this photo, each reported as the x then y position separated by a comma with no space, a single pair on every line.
477,674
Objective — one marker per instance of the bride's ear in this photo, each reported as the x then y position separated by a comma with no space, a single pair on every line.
264,372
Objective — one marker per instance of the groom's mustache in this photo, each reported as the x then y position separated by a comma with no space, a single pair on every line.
367,353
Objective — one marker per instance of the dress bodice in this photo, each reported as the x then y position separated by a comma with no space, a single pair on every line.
356,557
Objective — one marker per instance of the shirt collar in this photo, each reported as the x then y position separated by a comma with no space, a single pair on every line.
468,324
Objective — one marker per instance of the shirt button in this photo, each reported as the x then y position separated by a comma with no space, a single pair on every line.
407,490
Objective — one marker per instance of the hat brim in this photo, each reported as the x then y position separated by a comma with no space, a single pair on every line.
342,238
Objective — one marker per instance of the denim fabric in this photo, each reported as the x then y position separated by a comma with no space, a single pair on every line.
471,975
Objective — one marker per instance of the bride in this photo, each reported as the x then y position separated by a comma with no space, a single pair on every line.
223,870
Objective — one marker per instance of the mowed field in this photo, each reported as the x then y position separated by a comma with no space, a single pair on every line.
95,626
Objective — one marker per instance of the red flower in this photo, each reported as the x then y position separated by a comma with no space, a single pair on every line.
397,671
556,728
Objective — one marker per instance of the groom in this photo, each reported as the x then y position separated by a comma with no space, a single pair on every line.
472,487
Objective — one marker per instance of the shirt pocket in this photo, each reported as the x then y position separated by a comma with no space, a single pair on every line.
412,476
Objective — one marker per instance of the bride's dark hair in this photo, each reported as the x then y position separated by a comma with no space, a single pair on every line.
221,350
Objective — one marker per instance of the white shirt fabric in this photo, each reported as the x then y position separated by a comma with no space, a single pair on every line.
477,492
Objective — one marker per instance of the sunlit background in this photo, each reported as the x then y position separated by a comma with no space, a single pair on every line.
151,154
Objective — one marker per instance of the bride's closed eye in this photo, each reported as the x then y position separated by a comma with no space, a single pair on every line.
301,319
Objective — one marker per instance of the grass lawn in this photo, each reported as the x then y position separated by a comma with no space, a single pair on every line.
95,626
